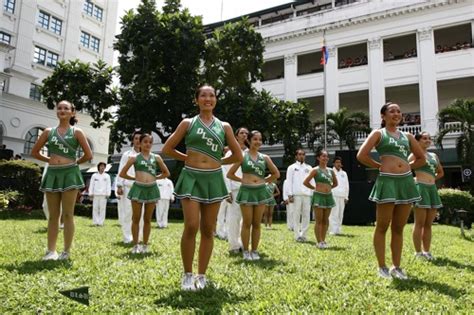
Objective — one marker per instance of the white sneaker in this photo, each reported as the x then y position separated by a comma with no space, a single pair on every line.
320,245
50,255
384,273
419,255
398,273
187,282
254,255
428,255
325,245
145,249
61,226
246,255
200,282
136,249
64,256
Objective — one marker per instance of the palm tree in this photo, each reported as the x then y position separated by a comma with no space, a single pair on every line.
342,126
462,111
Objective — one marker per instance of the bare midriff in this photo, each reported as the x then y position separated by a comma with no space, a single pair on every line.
55,159
323,188
144,177
394,165
424,178
201,161
251,179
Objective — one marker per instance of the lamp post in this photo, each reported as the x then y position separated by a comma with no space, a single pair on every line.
462,215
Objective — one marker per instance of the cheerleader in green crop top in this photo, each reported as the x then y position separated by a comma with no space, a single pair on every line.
201,185
253,195
63,179
426,208
394,191
144,190
268,214
322,201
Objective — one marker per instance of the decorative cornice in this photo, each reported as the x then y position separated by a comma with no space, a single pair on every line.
360,20
290,59
425,33
375,43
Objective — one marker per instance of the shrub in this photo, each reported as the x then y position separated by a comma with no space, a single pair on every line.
24,177
85,210
8,198
454,199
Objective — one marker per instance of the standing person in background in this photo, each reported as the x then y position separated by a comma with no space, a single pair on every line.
221,226
234,214
427,208
268,214
166,188
288,206
394,191
99,191
63,180
341,197
299,195
124,205
201,186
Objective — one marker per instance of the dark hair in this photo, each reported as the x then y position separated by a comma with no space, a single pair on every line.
238,130
383,110
298,150
250,136
144,135
420,134
137,132
320,152
73,120
337,158
101,163
198,90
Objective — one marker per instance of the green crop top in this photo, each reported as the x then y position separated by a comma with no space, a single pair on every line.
143,165
208,140
389,145
323,177
64,146
257,167
430,166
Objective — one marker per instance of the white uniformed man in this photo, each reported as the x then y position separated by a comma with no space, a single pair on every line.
289,207
99,191
299,195
224,208
341,197
166,188
123,187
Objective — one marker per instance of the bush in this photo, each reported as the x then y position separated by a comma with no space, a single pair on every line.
24,177
85,210
455,199
8,198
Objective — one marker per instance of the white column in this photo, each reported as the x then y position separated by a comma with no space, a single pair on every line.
332,91
427,83
290,78
376,81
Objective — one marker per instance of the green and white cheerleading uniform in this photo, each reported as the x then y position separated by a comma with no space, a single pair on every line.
145,192
394,188
271,190
59,178
203,185
320,199
254,194
429,192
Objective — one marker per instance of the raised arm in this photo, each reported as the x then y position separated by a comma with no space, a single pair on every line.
81,137
164,169
170,145
231,173
234,146
363,156
35,152
276,192
334,180
417,151
439,170
123,172
274,172
307,180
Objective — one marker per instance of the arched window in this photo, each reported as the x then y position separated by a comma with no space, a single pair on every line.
31,138
1,134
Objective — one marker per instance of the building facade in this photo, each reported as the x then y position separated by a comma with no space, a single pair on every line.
34,36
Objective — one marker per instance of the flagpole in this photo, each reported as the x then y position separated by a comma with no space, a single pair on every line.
324,91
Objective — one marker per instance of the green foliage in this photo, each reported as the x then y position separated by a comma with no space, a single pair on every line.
342,126
87,86
291,277
160,55
7,197
24,177
455,199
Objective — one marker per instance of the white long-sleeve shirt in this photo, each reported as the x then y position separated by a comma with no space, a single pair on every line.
342,188
166,188
295,175
120,182
285,190
100,185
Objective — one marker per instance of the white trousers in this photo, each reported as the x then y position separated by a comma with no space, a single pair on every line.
336,216
289,216
125,216
162,207
99,204
234,221
301,215
221,228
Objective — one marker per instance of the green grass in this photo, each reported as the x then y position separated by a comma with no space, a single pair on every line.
291,277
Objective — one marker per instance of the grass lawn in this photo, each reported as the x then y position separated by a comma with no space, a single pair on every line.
292,277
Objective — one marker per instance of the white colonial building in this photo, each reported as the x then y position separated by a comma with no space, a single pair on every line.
34,36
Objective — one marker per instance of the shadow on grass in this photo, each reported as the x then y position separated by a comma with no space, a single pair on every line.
131,256
413,284
446,262
22,215
35,266
344,235
207,301
122,244
264,263
42,230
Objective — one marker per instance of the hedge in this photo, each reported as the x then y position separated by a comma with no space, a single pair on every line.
24,177
455,199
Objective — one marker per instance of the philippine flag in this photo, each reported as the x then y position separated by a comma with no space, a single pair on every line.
324,55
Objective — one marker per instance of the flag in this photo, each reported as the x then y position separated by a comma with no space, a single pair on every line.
80,295
324,55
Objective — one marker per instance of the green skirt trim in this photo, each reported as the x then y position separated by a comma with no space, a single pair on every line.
144,192
254,195
59,178
395,188
201,185
272,202
323,200
429,196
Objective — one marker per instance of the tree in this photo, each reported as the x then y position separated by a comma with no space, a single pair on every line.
342,126
160,55
87,86
462,111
